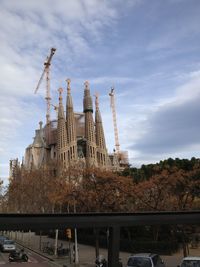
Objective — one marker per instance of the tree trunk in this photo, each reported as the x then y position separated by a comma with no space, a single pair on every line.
40,241
185,248
155,232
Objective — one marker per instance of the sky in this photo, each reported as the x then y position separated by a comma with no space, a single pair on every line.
149,50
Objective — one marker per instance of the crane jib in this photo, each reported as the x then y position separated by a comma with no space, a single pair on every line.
47,63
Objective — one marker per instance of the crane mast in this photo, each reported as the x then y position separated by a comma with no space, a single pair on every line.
112,105
46,71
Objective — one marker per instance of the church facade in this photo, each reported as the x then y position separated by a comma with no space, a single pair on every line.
75,137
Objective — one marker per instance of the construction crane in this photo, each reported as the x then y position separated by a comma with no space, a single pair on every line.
55,108
47,64
112,105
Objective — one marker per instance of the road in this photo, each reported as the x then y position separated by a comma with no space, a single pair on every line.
34,259
86,254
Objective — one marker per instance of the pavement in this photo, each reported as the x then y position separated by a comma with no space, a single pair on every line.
86,253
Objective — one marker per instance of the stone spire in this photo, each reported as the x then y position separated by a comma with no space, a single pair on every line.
102,155
87,102
71,125
91,156
62,147
69,106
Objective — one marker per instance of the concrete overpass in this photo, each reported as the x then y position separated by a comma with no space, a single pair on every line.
113,221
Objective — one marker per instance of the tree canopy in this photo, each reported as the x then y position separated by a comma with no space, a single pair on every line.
172,184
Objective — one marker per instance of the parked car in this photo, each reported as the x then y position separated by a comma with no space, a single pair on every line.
190,262
145,260
8,245
2,238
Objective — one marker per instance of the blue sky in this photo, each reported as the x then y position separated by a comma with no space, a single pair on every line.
148,49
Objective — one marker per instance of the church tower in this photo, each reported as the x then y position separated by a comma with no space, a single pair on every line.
102,156
62,147
91,159
71,126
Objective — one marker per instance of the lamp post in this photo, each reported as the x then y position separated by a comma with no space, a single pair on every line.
75,246
76,258
56,243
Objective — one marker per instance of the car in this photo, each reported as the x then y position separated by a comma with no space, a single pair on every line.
145,260
190,262
8,245
2,238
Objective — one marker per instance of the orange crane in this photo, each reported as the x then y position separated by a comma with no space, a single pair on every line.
47,64
112,105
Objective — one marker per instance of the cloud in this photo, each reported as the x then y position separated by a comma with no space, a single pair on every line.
112,42
28,30
17,121
179,27
109,80
172,126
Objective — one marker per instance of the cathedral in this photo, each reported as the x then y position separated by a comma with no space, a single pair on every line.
75,137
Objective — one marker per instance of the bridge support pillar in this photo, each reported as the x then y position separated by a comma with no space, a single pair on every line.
113,246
